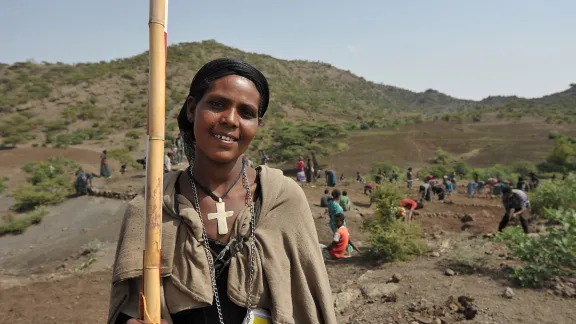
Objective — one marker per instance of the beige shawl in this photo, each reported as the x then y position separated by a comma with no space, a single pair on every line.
290,277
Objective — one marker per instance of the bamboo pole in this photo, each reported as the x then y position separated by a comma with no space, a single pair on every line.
150,309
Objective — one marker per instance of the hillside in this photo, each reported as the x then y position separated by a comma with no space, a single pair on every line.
40,101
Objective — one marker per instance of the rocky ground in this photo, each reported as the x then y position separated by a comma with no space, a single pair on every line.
59,270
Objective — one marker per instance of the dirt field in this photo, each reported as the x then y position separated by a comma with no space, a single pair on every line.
480,144
59,271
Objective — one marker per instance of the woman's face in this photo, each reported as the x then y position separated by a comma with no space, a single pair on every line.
226,118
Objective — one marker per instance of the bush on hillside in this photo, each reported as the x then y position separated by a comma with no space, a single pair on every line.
49,183
19,225
386,167
3,181
563,157
553,195
124,157
389,237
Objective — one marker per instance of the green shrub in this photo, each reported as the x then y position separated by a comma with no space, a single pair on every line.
389,237
49,183
134,134
3,181
18,226
131,145
554,195
124,157
385,166
550,254
394,239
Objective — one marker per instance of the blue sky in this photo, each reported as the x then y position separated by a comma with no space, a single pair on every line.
467,49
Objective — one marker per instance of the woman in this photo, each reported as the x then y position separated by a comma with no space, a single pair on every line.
300,174
104,169
234,240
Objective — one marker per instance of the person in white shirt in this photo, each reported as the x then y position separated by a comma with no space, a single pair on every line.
515,203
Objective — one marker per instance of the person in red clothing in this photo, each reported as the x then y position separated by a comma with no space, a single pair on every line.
410,205
300,175
339,246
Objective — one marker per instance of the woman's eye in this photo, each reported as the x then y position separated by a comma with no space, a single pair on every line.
216,104
248,113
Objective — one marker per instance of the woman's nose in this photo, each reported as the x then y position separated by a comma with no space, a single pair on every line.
230,117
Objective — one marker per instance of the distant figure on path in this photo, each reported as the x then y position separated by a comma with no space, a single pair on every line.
263,158
104,169
300,174
310,175
180,147
167,163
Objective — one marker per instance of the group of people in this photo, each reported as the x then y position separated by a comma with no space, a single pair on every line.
341,246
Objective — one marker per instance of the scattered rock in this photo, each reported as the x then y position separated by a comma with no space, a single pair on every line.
435,254
423,320
508,292
449,272
396,278
344,298
488,252
375,290
466,218
488,235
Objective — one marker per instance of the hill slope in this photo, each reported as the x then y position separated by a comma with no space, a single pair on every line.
106,97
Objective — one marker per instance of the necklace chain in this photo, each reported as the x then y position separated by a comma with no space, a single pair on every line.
208,191
252,240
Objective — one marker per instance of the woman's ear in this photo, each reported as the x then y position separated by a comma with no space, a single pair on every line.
190,108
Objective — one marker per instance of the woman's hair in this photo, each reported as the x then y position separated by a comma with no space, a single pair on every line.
210,72
344,193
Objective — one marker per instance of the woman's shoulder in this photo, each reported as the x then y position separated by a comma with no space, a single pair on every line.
275,185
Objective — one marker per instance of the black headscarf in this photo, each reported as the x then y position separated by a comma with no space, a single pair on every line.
210,72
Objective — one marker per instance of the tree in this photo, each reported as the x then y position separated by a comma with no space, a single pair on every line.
290,140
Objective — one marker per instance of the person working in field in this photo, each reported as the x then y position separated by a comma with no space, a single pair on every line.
439,190
81,183
516,204
394,177
331,178
310,174
410,205
236,241
425,190
338,248
471,188
300,171
325,199
345,201
334,209
409,178
379,178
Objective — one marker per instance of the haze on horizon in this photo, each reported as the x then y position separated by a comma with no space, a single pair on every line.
464,49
